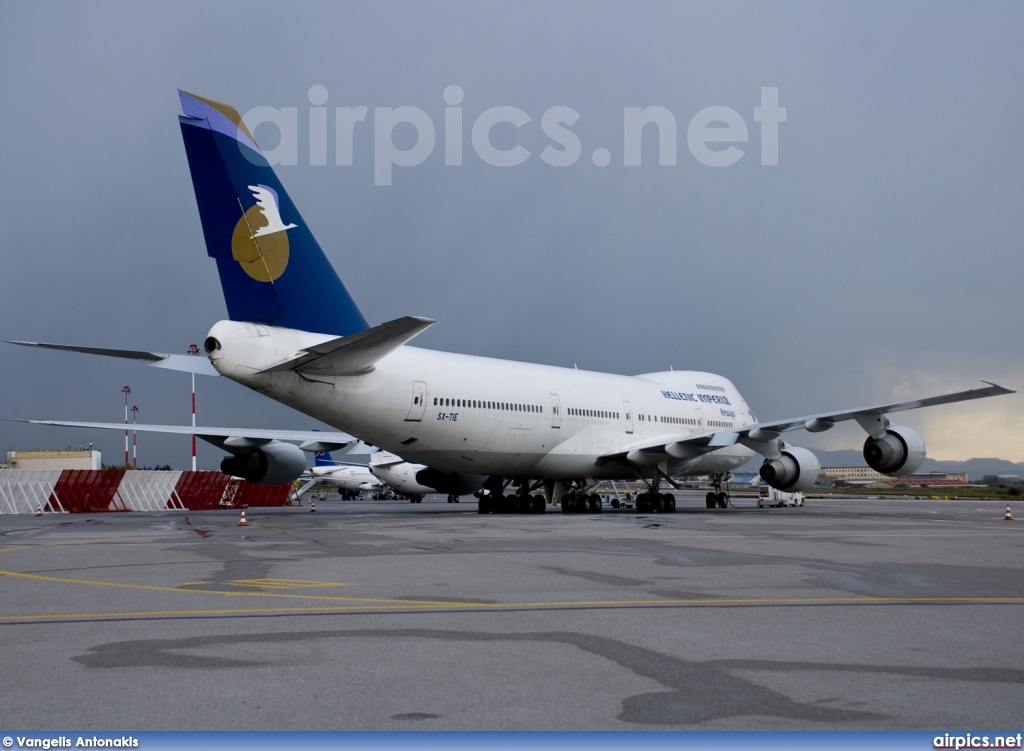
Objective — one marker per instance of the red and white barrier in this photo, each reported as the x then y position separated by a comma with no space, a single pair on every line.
24,491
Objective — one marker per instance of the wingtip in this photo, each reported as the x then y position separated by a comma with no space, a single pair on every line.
1002,389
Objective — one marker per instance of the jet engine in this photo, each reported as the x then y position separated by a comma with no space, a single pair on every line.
899,452
272,464
450,483
795,469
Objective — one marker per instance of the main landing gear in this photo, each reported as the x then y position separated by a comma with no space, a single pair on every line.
652,501
511,504
494,501
716,496
579,501
656,503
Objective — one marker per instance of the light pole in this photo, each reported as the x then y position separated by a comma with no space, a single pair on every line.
127,390
193,349
135,458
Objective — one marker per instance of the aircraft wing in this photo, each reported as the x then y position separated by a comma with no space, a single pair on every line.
818,422
187,363
870,418
226,438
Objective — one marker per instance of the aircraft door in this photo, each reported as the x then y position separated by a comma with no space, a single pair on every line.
419,402
556,412
627,417
700,419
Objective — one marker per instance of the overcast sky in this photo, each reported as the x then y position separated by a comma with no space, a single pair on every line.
880,258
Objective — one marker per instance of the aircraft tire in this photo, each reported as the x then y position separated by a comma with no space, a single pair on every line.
723,500
670,503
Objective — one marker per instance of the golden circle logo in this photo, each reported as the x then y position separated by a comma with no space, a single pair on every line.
260,240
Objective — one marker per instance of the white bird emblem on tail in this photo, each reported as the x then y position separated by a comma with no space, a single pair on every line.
266,199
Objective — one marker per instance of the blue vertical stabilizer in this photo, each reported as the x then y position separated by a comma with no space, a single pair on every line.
271,268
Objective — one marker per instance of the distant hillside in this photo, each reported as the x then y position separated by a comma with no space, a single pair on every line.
975,468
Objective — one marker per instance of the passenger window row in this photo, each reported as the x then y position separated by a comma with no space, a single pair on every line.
678,420
600,413
480,404
709,387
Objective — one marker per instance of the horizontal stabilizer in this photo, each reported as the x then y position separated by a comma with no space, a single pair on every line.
384,459
230,439
356,353
186,363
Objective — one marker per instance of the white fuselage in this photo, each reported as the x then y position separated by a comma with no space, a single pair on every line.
399,475
348,477
482,416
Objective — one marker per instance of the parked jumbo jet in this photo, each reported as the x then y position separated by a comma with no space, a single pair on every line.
295,335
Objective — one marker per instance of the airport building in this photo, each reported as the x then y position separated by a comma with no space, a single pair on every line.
861,475
1009,481
82,459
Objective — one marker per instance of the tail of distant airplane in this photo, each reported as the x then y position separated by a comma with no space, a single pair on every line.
323,459
271,268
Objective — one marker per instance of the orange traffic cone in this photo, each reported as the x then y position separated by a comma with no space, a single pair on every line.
242,522
39,509
1009,516
312,505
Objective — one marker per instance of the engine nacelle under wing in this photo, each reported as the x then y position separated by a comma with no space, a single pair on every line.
451,483
899,452
795,469
275,463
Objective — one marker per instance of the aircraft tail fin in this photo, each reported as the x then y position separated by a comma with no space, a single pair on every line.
323,459
272,270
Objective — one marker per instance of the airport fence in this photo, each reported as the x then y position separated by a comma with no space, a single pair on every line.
43,491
